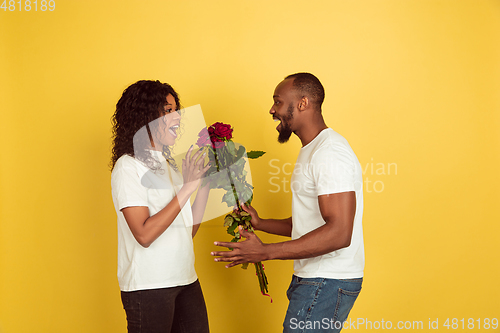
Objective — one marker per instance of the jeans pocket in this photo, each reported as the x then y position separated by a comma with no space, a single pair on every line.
310,281
345,302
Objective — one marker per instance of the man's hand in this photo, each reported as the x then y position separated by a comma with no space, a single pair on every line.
251,250
253,213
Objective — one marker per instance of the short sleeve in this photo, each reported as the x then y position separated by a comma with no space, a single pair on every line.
333,169
126,187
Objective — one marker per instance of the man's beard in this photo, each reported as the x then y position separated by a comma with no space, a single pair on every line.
286,130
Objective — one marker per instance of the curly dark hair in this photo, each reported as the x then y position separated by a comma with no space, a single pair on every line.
140,104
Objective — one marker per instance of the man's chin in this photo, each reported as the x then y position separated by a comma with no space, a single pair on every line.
283,137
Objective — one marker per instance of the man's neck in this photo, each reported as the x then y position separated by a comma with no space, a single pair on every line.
308,133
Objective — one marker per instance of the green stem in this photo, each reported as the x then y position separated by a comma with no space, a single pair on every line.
234,190
216,160
262,277
233,187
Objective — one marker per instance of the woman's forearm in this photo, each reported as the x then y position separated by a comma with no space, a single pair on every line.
145,228
199,205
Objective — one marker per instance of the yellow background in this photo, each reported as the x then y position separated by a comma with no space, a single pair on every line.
412,84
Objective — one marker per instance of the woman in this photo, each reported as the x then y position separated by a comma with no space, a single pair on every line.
159,287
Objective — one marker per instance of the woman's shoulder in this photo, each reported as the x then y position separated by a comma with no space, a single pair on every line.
124,161
130,164
127,162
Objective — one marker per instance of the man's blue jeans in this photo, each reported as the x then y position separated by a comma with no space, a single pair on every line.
319,304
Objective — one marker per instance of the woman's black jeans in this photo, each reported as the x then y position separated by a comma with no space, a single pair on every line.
178,309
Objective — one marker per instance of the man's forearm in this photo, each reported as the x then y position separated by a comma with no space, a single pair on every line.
276,227
322,240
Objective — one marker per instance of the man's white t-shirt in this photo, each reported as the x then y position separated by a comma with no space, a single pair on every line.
327,165
169,260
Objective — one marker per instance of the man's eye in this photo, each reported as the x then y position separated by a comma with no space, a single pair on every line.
276,102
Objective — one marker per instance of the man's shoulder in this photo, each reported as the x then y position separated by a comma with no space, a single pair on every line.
333,150
331,142
332,137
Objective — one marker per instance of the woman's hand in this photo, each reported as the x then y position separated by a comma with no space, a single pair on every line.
193,168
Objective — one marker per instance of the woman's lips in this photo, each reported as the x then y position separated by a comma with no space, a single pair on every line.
173,130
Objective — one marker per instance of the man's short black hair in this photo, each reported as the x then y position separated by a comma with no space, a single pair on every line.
308,85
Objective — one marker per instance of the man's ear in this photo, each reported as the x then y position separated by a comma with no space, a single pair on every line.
303,103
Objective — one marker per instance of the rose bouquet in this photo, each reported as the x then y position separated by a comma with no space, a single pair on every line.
227,172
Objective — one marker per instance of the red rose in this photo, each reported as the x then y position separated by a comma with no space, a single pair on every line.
222,131
217,135
216,141
211,132
203,138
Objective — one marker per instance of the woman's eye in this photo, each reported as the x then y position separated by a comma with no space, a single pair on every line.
168,110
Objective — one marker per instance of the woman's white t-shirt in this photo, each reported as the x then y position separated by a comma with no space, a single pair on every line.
169,260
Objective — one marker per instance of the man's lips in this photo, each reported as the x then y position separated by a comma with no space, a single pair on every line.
277,119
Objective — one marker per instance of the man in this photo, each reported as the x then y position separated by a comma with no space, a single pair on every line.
327,208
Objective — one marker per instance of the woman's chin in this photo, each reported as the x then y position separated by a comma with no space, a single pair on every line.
168,141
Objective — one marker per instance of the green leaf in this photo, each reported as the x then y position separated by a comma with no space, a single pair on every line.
221,181
230,147
244,266
255,154
228,220
232,227
240,153
245,194
249,201
229,199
